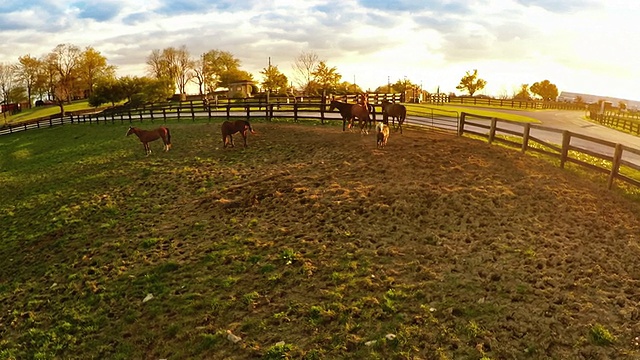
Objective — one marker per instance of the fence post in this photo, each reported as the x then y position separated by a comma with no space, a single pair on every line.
193,115
164,114
463,115
248,108
615,166
525,136
228,111
295,112
492,130
566,140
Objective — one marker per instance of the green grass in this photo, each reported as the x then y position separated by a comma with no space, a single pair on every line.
44,111
449,110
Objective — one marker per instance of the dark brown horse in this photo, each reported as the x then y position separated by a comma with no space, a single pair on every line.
231,127
147,136
349,112
395,111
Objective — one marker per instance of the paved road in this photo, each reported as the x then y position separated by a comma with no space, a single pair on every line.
563,120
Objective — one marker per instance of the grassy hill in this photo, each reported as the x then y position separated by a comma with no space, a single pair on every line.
309,244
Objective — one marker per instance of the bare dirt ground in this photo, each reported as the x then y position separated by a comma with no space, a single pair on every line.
436,247
513,256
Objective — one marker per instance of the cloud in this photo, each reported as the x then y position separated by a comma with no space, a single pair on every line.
97,10
559,6
172,7
459,7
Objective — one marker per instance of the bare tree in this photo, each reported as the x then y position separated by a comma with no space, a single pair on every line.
7,80
155,64
173,64
199,74
304,66
64,60
184,69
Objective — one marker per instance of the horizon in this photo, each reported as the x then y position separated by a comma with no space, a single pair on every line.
581,47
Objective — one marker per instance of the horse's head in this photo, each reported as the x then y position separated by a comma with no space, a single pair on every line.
333,105
130,131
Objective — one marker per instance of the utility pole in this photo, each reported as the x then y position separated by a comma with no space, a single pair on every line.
268,81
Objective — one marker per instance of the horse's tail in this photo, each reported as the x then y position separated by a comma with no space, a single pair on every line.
168,136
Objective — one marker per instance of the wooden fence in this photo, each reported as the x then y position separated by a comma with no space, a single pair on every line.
621,155
308,109
627,122
509,103
299,108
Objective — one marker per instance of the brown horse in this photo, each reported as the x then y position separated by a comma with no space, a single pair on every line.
231,127
349,112
146,136
395,111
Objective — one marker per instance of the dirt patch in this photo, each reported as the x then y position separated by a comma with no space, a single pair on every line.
527,254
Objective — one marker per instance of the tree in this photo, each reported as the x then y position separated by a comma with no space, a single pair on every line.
471,83
199,74
64,61
304,65
7,80
91,67
184,66
273,80
155,65
221,68
172,64
523,93
107,90
346,87
28,71
234,75
325,77
546,90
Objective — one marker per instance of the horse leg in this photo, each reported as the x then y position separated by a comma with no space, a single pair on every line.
147,150
231,141
244,137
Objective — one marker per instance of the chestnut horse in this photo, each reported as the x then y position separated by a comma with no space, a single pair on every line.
351,111
395,111
231,127
146,136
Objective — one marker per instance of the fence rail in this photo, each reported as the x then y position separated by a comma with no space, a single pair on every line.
313,109
509,103
620,162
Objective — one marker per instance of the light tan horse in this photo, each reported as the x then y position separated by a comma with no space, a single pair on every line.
382,135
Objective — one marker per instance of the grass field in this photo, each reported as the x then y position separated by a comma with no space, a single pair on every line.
309,244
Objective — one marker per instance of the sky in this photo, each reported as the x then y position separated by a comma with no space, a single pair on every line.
582,46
